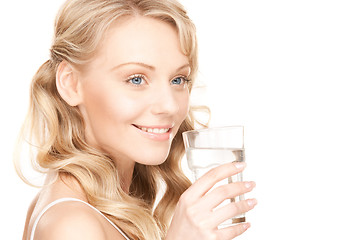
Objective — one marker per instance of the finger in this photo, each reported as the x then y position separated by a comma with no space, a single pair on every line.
231,210
208,180
227,191
233,231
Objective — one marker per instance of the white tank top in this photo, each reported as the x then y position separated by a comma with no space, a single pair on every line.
73,200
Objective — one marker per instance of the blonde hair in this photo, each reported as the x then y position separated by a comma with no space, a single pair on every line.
56,129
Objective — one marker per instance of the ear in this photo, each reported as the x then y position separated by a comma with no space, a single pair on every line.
67,84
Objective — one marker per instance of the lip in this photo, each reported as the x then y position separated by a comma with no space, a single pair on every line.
155,136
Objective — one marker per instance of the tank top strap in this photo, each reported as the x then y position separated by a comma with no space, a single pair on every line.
61,200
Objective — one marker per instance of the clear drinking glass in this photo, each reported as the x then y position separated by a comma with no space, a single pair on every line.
211,147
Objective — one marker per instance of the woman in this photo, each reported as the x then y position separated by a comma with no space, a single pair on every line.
106,115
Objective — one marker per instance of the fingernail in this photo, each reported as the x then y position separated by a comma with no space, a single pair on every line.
239,165
246,226
249,184
252,202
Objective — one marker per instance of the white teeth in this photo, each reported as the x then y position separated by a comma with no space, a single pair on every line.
155,130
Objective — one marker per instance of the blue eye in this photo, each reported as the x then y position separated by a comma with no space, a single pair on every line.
136,80
178,81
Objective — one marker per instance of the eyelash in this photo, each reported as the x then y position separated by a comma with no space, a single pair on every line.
184,79
142,77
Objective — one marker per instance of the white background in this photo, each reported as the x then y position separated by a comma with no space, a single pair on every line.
286,70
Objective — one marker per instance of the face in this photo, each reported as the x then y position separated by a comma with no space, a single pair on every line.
134,92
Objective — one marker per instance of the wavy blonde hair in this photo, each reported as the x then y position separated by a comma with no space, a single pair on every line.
57,132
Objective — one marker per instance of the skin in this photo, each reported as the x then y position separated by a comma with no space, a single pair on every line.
136,82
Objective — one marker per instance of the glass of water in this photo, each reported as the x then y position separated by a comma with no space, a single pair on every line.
211,147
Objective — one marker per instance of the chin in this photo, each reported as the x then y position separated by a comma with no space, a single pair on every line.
153,162
153,159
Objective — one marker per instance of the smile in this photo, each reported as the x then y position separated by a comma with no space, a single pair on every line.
154,130
158,133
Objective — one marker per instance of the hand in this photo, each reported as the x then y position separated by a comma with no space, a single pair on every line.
194,217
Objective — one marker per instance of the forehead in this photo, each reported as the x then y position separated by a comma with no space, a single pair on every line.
141,39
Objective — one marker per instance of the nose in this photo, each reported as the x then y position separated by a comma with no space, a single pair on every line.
165,101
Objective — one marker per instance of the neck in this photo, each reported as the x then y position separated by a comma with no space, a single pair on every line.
125,170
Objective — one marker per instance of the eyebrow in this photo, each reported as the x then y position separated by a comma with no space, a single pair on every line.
145,66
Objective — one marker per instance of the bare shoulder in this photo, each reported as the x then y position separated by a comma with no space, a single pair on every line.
70,220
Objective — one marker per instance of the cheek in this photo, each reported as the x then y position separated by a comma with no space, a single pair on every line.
122,109
110,105
184,106
108,113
